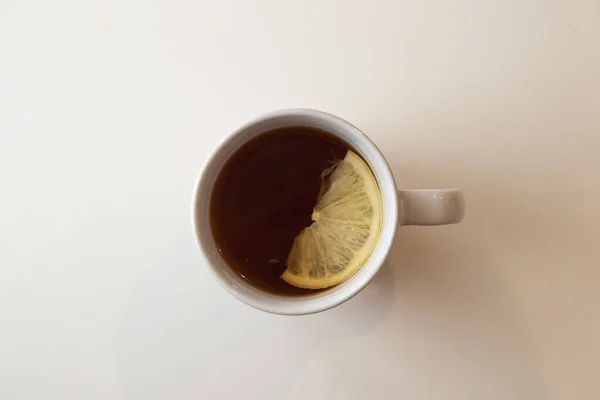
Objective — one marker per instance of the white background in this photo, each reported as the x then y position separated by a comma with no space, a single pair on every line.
108,109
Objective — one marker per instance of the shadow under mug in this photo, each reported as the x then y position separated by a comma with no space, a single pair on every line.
400,208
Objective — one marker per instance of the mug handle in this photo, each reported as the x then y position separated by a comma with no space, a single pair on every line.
431,206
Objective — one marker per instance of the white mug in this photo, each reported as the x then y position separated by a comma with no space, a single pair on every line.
400,207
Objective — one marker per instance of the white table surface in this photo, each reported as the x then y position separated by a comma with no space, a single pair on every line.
108,109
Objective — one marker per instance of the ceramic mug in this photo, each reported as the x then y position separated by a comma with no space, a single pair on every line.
400,207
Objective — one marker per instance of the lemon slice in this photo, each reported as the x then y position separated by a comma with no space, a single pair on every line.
347,222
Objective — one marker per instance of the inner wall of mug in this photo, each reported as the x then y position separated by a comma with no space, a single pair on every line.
322,300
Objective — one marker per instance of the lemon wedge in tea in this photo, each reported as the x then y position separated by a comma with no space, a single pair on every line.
346,226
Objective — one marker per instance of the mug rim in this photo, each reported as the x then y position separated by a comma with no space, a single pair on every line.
300,305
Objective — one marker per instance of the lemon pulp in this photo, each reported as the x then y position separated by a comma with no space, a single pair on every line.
346,225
